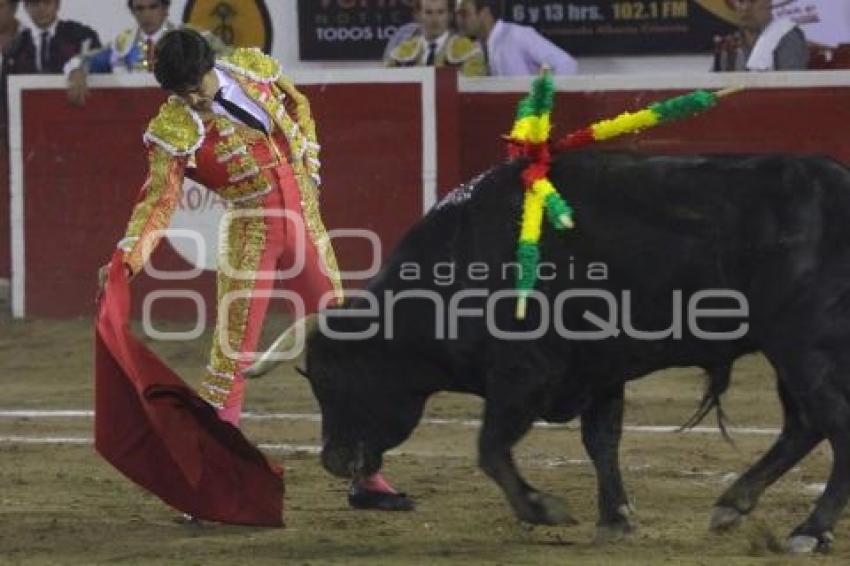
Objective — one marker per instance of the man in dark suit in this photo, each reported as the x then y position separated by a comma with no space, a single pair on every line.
50,43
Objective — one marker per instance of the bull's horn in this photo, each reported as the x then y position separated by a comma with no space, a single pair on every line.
284,343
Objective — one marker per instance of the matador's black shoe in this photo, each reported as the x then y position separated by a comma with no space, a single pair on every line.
361,498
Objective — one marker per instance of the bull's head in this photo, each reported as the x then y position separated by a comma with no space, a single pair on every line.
369,403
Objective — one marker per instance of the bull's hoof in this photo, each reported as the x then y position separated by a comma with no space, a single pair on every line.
612,532
725,519
615,529
361,498
545,509
808,544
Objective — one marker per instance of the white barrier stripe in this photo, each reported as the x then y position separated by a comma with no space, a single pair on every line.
470,423
429,141
45,440
662,81
304,448
16,195
43,414
284,448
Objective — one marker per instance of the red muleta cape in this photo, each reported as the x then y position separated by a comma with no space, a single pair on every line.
156,431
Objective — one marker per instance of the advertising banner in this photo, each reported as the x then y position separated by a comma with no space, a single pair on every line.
625,27
348,30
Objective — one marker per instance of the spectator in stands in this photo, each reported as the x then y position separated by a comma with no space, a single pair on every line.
762,43
460,20
131,51
436,45
10,26
50,44
512,49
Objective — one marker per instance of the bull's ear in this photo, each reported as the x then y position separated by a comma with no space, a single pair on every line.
303,372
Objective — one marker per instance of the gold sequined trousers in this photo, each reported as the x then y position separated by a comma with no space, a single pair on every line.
263,243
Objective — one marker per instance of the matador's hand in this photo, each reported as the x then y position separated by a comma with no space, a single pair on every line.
103,273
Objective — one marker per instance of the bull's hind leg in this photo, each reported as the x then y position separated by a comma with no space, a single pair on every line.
815,533
601,430
829,411
512,404
794,442
812,377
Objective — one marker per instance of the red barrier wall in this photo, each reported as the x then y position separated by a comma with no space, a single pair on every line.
793,120
84,167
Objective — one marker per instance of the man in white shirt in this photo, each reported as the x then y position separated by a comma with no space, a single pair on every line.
511,49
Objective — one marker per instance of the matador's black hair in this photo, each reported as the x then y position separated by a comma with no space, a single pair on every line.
182,58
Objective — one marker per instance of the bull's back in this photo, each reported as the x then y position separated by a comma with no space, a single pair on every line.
766,227
651,226
714,219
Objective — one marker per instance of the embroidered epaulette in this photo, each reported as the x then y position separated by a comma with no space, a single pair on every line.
408,51
460,49
124,41
251,63
177,128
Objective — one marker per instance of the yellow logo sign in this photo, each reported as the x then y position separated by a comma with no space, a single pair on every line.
238,23
722,9
726,8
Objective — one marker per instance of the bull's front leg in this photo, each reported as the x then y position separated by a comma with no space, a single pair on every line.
510,410
601,430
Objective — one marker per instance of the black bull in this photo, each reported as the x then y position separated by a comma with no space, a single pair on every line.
769,234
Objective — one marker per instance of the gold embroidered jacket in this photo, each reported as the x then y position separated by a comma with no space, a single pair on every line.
227,157
457,51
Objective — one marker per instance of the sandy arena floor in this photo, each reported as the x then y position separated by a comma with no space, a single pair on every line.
61,504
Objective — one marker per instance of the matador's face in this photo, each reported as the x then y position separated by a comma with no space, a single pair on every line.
201,96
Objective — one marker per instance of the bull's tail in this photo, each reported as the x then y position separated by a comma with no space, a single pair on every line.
719,377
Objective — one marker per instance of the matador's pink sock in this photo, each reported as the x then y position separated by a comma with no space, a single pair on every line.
377,482
232,410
